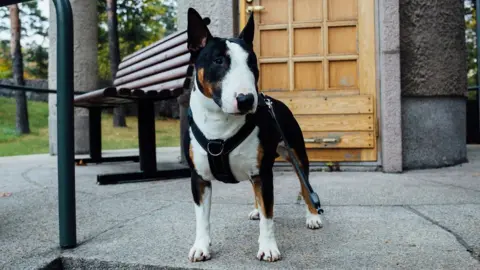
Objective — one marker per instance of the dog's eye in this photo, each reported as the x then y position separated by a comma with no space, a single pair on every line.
218,61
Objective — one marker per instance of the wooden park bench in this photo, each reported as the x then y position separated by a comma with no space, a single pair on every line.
157,72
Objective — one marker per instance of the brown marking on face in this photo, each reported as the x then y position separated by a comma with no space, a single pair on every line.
206,86
257,188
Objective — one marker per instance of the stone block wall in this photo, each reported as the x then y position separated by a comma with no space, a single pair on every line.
42,84
434,83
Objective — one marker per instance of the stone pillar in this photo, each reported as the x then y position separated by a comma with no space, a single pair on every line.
85,68
434,83
221,14
390,87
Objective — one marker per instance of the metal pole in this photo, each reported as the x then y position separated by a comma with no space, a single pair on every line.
65,139
477,34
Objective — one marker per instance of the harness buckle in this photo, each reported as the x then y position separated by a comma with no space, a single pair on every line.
268,102
215,147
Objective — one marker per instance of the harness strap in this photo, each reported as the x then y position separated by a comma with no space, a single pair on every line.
218,150
295,162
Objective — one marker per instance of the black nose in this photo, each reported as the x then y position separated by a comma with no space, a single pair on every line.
245,102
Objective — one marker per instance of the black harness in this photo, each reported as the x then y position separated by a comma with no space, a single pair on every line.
218,150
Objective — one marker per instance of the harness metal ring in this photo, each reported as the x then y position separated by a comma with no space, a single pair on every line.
210,150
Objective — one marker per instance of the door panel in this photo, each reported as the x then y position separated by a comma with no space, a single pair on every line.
318,57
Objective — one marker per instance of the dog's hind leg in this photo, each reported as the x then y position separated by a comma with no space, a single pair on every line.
255,214
263,187
202,194
313,218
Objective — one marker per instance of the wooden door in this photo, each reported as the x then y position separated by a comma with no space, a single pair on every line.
318,56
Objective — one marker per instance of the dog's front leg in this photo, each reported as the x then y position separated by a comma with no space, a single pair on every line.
263,188
202,194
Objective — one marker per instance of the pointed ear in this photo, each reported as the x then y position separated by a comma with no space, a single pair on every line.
197,31
248,31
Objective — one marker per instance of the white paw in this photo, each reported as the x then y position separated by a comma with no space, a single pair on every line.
254,215
314,221
200,251
268,251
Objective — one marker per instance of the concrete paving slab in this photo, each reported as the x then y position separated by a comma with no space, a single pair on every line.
346,188
29,222
462,220
374,220
354,237
468,179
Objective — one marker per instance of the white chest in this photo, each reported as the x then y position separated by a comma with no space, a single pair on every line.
243,159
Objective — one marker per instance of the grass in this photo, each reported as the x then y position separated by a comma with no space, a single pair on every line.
167,131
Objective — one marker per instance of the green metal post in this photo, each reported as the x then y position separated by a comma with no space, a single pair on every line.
477,33
65,139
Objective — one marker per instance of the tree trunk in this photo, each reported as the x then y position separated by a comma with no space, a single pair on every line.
114,55
21,118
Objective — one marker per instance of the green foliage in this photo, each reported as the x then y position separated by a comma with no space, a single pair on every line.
140,23
5,60
35,56
470,38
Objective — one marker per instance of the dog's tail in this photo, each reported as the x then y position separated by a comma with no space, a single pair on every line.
293,135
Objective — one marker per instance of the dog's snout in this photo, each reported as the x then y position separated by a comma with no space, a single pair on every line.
245,102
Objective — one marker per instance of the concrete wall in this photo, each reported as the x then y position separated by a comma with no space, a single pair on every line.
221,14
85,68
434,83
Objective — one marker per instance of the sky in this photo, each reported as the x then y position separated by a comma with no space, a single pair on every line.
44,8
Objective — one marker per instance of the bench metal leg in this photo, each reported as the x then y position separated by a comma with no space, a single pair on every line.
146,137
95,132
95,140
148,154
110,179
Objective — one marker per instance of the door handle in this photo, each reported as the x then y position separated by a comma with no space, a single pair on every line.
333,140
255,8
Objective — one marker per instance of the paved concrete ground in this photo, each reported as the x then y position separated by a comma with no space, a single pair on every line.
426,219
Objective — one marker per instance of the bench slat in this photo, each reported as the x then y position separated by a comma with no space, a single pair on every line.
163,40
157,72
166,85
206,20
105,92
180,72
181,39
153,65
100,98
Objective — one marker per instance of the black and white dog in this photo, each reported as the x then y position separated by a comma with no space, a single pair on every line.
232,137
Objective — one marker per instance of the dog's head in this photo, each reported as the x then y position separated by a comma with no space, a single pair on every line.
226,68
